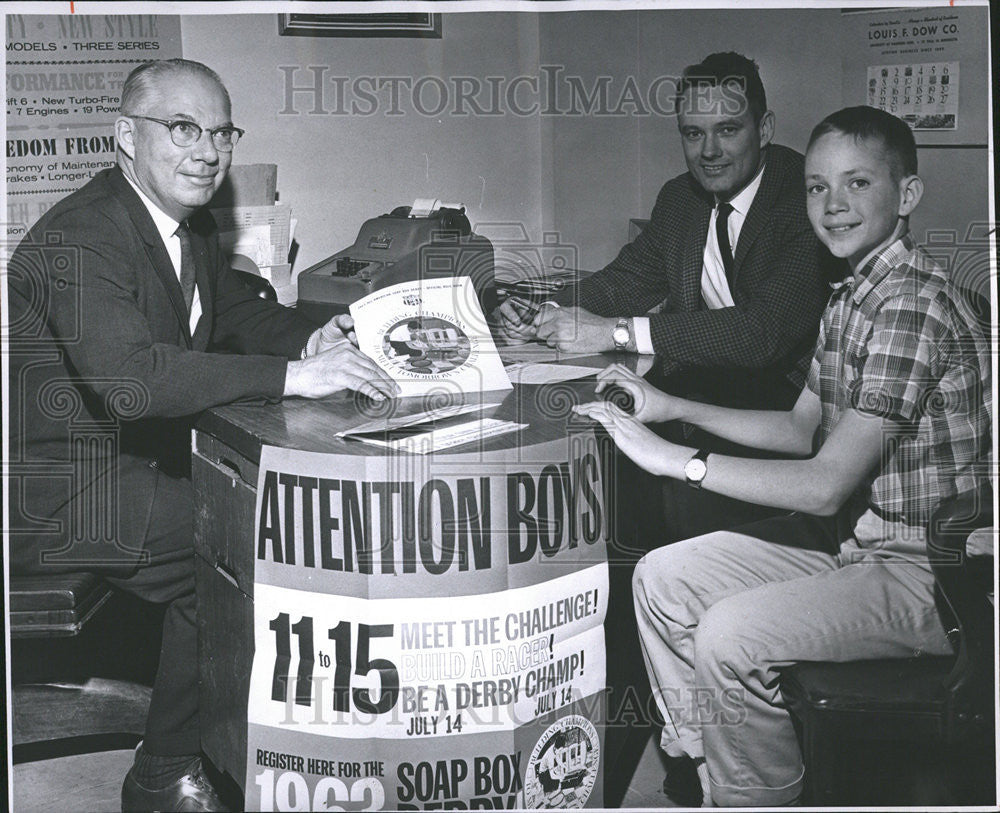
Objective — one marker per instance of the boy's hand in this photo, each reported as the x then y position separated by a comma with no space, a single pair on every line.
642,445
650,404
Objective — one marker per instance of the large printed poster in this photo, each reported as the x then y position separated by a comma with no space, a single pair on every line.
64,80
429,631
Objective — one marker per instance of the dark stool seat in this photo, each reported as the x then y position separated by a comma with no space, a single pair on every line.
55,606
58,707
938,712
888,685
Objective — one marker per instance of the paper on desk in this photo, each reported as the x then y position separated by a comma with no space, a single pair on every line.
529,373
266,228
445,437
415,419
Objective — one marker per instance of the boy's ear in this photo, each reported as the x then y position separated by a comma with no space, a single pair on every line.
911,189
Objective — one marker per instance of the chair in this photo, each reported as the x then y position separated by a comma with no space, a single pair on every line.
248,273
940,708
59,707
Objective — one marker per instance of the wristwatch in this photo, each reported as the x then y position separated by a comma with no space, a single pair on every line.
622,334
696,468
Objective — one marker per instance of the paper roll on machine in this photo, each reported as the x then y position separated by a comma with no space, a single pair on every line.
428,240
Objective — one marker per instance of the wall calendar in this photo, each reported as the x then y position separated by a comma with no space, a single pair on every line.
923,94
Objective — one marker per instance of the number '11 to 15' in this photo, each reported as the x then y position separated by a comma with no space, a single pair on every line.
343,695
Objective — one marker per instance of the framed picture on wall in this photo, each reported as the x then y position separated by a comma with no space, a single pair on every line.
417,24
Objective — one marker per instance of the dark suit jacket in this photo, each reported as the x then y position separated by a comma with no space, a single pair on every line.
779,294
105,376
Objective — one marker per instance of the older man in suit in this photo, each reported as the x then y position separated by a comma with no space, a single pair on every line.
126,319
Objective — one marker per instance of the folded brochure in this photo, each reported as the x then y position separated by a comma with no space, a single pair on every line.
431,337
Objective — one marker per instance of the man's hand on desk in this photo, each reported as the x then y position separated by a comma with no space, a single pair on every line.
339,330
516,320
342,368
575,330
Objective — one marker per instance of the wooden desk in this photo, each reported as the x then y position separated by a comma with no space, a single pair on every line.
227,447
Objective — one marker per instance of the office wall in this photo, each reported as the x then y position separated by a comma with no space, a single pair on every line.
597,156
953,163
338,170
610,169
580,175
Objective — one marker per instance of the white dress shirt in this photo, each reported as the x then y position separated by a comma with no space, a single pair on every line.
167,228
714,285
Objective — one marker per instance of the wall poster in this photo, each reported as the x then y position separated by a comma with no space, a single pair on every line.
64,79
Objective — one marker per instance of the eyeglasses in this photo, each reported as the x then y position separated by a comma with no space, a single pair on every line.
186,133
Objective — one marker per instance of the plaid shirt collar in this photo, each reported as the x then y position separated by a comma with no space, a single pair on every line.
875,269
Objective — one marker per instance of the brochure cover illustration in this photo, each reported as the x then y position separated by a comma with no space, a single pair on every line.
430,336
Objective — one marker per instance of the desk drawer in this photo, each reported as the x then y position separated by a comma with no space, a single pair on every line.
225,483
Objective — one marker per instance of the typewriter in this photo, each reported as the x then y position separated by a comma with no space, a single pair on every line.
427,240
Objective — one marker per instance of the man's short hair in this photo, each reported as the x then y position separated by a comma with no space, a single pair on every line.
720,70
138,85
865,123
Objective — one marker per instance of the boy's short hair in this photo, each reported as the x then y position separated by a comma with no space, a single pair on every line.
863,123
724,68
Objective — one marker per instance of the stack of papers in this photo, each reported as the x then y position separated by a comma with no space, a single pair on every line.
420,440
526,372
251,224
262,233
432,430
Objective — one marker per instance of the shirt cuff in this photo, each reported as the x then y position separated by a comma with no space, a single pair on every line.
643,339
305,350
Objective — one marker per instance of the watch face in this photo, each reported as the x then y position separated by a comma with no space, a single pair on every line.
695,469
620,336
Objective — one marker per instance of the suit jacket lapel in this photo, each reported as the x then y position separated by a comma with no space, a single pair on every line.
760,211
155,250
694,253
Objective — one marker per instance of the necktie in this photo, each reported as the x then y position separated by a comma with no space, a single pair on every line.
722,233
187,265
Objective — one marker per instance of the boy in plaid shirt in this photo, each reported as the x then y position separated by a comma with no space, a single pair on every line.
894,418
